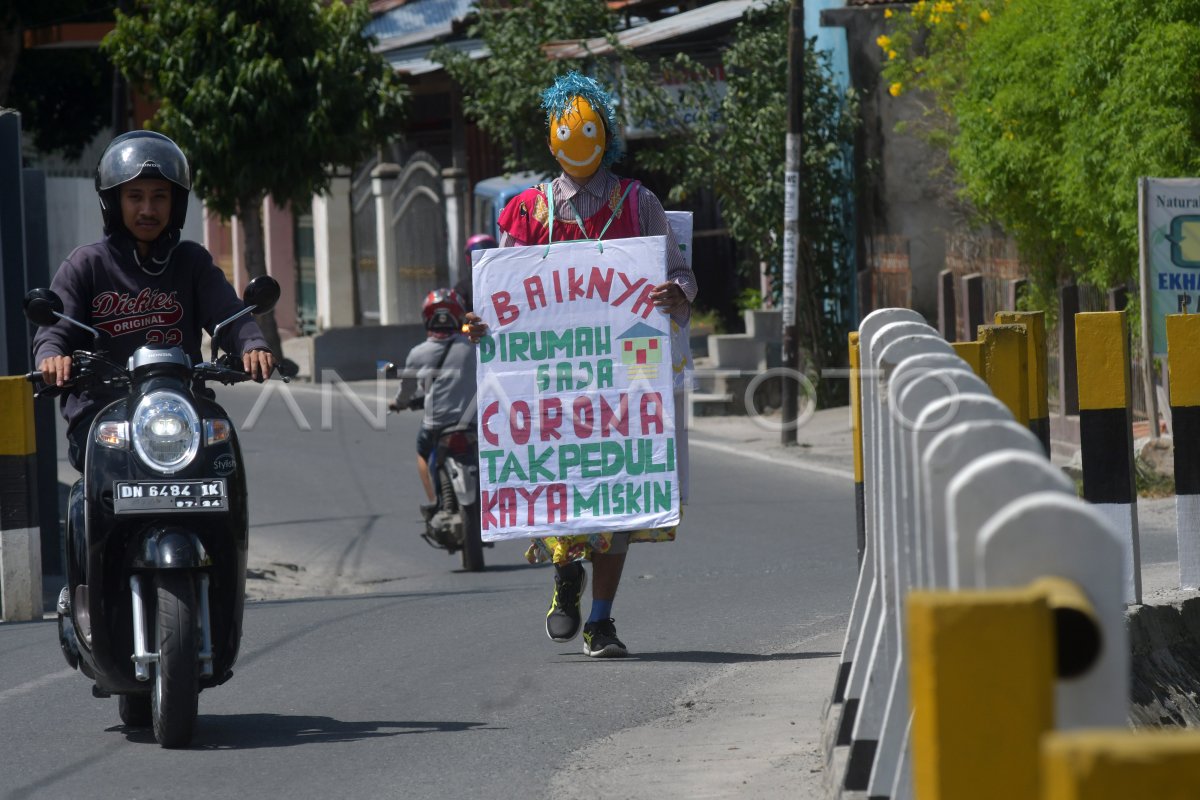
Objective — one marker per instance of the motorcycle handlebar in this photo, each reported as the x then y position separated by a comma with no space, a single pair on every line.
81,369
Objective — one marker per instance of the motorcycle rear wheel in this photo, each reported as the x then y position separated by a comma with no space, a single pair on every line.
472,550
134,710
176,682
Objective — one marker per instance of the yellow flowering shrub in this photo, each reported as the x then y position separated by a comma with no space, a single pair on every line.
1049,111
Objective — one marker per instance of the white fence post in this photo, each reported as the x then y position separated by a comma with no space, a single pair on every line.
864,611
956,494
918,392
913,387
981,489
1049,533
879,646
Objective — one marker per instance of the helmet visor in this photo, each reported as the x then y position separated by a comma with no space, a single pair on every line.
143,157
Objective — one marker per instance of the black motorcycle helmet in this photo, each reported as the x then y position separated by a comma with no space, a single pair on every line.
142,154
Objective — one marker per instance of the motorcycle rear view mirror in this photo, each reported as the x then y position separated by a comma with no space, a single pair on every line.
261,294
42,307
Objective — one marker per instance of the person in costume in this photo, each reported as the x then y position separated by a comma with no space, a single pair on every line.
590,202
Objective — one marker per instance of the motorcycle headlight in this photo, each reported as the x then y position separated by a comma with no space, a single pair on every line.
166,431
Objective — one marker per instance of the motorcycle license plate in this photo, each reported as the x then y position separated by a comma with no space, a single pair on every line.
134,497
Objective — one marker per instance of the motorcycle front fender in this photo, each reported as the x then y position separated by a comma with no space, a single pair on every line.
163,547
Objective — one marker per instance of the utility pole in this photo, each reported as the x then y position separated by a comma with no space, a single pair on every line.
791,216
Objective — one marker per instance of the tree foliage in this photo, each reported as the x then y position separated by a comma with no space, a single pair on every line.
739,153
262,95
1057,107
64,96
502,92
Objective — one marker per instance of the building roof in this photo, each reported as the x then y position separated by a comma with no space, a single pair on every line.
407,29
414,59
682,24
416,21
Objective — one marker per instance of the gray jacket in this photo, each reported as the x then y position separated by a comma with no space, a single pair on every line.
449,391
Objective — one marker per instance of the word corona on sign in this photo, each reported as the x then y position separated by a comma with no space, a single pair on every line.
613,418
576,404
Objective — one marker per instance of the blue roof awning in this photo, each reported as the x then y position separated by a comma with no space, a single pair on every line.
416,21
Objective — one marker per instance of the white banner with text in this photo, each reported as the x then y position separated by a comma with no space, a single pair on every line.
576,411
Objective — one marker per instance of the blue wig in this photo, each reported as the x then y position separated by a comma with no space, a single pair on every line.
560,97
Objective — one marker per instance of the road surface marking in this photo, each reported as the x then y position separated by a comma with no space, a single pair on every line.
36,683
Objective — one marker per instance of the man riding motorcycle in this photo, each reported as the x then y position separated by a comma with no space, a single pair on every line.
141,284
441,372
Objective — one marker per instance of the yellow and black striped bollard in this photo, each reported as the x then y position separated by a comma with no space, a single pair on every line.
860,518
1035,333
1106,430
1183,359
1006,367
20,534
972,353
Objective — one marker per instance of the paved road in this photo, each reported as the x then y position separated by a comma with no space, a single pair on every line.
410,679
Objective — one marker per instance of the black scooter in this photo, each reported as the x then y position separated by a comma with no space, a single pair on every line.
157,530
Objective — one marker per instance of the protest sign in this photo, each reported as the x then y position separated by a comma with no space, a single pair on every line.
576,411
680,223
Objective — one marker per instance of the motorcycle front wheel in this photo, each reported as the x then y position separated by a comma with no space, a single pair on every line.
176,683
134,710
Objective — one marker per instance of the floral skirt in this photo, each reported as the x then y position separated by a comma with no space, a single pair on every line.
564,549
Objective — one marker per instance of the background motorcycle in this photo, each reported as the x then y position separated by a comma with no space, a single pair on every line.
452,523
157,529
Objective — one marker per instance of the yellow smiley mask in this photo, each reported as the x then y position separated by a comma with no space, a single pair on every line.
577,139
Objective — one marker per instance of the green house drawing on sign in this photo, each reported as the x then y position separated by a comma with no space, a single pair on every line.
642,344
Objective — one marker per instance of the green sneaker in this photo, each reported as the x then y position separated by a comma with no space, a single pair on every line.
600,640
562,620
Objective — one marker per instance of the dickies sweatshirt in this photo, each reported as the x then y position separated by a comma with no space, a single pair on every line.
105,286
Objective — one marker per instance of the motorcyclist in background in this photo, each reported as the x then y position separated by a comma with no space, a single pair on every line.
441,372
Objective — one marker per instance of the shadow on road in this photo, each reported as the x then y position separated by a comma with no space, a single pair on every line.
253,731
723,657
517,567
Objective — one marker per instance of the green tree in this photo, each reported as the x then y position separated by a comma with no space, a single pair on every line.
502,92
739,153
263,97
64,96
1052,110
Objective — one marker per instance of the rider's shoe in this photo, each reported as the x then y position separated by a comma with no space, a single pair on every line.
428,510
64,601
562,620
600,640
67,640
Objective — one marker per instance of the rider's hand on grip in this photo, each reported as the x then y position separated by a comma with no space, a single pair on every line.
258,364
56,370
